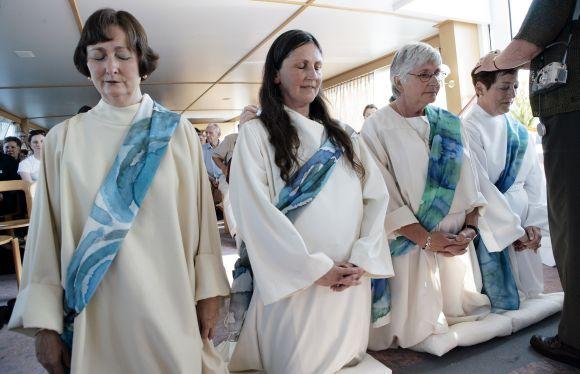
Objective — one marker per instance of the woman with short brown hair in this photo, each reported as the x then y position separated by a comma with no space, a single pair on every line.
123,270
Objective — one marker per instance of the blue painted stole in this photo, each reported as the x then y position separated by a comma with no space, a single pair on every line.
498,280
443,172
304,186
115,207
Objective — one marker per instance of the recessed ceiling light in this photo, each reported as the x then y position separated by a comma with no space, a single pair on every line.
25,54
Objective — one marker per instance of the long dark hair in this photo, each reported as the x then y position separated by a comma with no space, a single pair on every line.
283,134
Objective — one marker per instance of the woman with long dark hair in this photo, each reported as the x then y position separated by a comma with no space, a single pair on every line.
310,204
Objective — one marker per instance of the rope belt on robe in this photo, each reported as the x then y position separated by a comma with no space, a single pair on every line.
115,207
303,188
498,280
443,172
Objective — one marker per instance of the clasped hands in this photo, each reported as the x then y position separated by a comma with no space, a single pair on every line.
450,245
532,240
341,276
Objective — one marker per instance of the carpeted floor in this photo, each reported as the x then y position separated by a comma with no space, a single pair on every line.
510,354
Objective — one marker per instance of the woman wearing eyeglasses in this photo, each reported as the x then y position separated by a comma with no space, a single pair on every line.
433,215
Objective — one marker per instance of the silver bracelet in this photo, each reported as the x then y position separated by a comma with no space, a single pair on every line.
427,245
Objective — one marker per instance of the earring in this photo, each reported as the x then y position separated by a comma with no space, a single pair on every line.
89,78
144,77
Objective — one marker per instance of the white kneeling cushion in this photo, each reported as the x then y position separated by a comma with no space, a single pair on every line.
466,334
534,310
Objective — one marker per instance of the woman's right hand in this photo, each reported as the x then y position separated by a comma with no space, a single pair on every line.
51,352
340,277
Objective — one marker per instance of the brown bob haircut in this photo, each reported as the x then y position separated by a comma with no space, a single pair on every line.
95,31
489,77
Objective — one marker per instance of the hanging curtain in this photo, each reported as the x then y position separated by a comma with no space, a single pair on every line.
348,100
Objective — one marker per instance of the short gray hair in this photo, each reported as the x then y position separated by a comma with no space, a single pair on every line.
214,126
409,57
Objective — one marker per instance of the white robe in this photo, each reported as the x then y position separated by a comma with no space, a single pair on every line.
142,318
524,204
292,325
431,294
488,142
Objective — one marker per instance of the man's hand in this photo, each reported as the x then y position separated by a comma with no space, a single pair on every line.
487,63
250,112
207,315
51,352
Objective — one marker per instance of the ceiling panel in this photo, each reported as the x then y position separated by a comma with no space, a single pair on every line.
476,11
47,28
174,96
236,96
34,102
377,5
207,116
49,122
250,70
367,37
198,41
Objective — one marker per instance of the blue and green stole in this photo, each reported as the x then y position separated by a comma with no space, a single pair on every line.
115,207
304,186
498,280
443,172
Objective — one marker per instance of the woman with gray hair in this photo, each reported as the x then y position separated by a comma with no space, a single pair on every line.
435,301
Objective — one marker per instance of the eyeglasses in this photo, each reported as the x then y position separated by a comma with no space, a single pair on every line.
426,77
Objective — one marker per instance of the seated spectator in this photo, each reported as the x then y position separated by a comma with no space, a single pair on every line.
8,172
25,148
222,156
29,168
369,110
12,146
201,135
213,133
8,168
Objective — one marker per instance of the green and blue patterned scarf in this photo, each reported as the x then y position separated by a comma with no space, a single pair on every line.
115,207
443,172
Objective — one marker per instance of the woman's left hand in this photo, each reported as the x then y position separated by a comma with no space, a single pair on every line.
207,315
